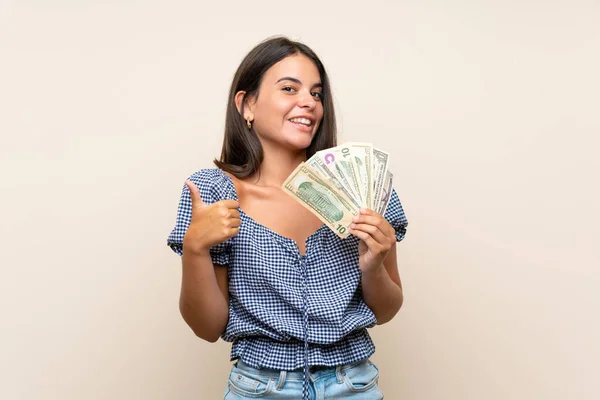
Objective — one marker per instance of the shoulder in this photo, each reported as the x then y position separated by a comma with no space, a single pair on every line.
213,184
206,176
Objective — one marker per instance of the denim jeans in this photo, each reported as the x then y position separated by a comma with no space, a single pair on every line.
352,381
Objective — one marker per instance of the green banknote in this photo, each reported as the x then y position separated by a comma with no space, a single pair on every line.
326,201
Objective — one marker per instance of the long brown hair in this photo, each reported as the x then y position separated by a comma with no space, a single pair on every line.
242,152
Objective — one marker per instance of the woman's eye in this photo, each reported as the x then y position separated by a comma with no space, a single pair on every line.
288,89
317,95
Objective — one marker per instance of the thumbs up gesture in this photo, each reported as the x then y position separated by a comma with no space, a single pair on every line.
210,224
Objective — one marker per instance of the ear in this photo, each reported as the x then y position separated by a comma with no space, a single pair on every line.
248,105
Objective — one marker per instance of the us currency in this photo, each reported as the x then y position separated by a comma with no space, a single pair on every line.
341,160
362,154
328,158
316,163
332,207
386,193
380,166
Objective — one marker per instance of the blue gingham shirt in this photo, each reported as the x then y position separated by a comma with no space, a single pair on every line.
286,310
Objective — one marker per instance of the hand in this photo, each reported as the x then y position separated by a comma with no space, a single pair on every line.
210,224
376,236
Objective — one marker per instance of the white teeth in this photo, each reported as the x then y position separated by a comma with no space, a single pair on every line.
304,121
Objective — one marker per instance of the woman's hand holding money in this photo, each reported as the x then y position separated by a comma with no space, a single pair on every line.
376,236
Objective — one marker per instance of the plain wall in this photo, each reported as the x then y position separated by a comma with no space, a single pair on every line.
489,110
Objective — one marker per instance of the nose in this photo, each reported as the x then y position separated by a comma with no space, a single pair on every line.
307,101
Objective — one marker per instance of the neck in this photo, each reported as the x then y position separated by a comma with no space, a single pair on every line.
277,165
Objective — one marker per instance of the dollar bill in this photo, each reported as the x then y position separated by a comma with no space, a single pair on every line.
316,163
329,159
340,159
362,154
386,193
331,206
380,166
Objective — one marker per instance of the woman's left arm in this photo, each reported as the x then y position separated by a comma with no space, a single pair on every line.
381,285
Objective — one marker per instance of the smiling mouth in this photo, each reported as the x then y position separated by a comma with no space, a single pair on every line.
302,122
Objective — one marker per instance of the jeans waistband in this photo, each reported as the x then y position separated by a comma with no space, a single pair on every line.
275,373
297,374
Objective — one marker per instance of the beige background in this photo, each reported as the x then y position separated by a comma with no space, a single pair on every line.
490,111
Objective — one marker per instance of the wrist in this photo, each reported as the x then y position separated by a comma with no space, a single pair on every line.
374,272
195,248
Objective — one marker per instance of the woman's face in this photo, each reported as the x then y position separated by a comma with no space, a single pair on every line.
288,110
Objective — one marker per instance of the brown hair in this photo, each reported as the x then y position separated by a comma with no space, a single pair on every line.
242,151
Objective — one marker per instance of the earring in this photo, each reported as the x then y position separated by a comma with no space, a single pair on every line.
249,124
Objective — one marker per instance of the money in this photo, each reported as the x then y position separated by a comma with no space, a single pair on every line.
362,154
380,166
331,206
336,169
331,178
336,183
341,159
386,193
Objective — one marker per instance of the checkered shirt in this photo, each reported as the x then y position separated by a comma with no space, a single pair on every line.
286,310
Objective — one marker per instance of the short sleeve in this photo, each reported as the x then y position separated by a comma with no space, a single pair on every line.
212,184
394,214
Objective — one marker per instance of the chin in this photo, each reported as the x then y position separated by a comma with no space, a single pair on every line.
298,142
302,144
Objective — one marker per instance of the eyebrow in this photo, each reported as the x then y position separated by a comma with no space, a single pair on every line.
295,80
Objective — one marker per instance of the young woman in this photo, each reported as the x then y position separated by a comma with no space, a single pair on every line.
259,269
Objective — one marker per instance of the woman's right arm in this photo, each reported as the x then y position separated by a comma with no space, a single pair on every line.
204,298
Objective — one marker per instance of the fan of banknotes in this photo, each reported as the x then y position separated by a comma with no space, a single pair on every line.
336,183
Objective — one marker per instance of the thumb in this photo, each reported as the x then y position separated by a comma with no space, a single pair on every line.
195,195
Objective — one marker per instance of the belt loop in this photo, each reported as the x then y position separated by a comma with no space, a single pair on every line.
339,374
282,378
